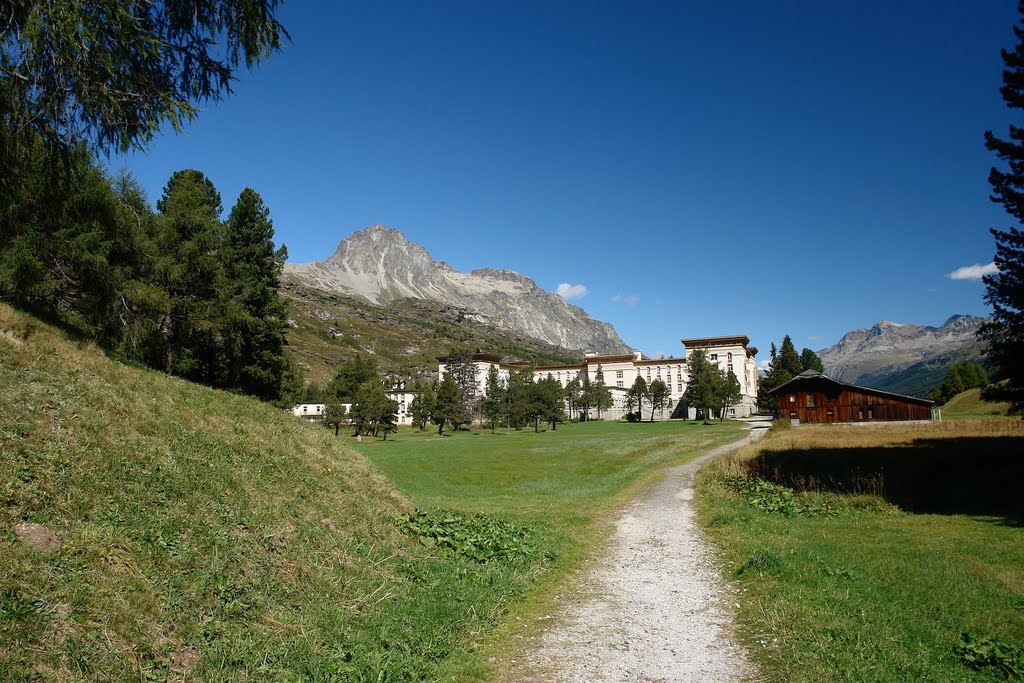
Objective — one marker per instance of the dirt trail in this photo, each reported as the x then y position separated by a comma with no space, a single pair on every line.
654,608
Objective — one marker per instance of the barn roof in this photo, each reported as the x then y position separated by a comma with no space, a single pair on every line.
814,375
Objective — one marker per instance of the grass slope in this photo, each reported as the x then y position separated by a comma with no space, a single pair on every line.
405,336
968,405
207,536
839,585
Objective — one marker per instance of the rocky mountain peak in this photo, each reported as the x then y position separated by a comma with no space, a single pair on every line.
891,347
380,265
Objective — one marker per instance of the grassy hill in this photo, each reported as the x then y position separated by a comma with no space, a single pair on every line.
405,336
968,405
205,536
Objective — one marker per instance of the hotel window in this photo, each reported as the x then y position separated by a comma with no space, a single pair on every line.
618,374
730,356
618,383
713,356
679,388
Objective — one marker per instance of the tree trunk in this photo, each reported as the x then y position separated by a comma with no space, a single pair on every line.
440,428
337,426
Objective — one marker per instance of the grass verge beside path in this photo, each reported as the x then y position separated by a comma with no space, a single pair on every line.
840,584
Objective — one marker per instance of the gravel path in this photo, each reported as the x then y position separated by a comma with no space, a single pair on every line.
654,608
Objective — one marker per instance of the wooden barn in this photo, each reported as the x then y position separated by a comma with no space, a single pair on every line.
814,397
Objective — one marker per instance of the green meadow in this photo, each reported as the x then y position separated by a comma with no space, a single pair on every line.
866,554
206,536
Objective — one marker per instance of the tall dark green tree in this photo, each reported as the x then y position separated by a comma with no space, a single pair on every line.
253,321
190,271
600,394
809,361
447,404
704,390
639,393
422,404
1004,290
353,373
789,359
657,394
730,393
494,403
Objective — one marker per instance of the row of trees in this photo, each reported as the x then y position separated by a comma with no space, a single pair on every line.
177,289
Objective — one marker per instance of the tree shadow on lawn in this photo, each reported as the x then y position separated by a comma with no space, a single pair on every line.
966,475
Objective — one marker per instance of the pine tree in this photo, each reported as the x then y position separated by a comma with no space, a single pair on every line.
730,392
446,404
809,361
494,402
1004,290
254,317
422,404
189,270
352,374
639,392
658,393
601,395
788,359
703,391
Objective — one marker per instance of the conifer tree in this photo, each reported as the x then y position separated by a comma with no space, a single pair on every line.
253,322
190,271
422,404
494,404
809,361
1004,290
639,392
446,404
658,392
703,391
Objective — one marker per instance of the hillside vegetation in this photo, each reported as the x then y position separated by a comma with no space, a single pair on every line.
405,337
205,535
968,405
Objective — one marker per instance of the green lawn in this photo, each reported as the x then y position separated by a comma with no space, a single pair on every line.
561,479
838,587
559,485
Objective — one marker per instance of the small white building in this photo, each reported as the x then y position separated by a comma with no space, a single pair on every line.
314,412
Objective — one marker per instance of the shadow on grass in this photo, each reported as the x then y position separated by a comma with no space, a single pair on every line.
967,475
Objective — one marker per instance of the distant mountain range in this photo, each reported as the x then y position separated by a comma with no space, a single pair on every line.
903,358
379,266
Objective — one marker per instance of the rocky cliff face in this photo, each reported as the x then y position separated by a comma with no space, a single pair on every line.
380,265
868,356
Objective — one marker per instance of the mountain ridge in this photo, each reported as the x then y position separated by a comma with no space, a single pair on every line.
380,265
903,357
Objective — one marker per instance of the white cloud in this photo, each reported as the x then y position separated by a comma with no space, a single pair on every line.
975,272
631,300
567,291
814,338
764,364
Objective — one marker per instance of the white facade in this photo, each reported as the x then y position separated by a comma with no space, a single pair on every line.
313,412
620,371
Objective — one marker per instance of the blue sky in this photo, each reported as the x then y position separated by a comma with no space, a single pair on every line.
697,168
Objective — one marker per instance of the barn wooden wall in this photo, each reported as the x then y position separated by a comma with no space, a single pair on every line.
829,404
